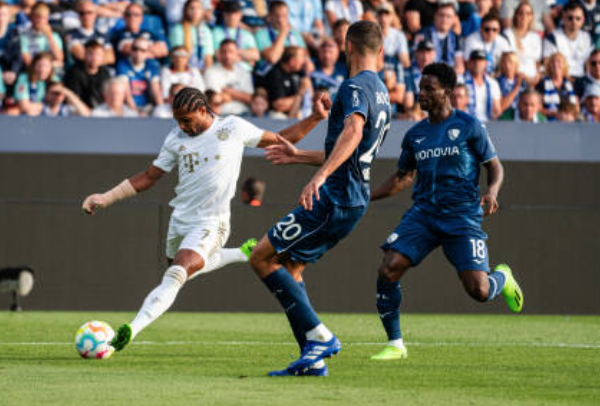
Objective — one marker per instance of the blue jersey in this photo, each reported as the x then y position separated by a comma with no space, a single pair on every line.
364,94
140,81
447,157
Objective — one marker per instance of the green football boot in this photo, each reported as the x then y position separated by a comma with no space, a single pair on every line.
248,246
390,353
511,291
122,338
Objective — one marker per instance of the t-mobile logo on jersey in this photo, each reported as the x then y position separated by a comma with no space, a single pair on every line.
436,153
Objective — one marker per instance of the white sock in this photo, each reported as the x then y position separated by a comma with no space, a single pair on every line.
399,343
219,259
319,333
160,299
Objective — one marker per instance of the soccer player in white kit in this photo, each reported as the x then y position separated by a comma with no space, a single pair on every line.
207,150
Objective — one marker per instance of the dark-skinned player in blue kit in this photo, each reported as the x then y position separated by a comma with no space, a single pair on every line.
445,151
332,203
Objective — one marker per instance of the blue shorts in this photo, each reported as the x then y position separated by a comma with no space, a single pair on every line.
306,235
460,236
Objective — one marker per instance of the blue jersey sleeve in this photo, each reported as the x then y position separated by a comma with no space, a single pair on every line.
481,143
353,100
407,161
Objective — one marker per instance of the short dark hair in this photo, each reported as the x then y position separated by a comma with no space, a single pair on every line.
491,16
365,36
228,41
573,5
276,4
93,44
443,72
191,99
290,52
339,23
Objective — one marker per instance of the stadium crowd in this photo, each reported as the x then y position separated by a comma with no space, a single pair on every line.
528,60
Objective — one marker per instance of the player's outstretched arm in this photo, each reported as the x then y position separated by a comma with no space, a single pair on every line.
495,176
285,153
393,185
128,188
298,131
344,147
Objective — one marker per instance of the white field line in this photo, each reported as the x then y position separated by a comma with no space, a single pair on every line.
347,344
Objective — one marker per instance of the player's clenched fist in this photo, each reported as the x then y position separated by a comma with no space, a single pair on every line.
92,202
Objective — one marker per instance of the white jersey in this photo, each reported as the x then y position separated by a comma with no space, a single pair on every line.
209,167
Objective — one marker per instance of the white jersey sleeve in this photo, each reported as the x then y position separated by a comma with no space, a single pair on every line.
167,158
251,134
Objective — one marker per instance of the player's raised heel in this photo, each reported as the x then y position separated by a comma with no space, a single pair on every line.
302,372
390,353
315,351
248,246
513,295
122,337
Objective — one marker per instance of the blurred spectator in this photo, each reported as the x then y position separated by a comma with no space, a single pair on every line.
253,192
87,79
23,17
307,17
122,39
77,38
286,83
329,73
230,80
10,53
215,101
370,8
525,41
339,35
40,37
180,71
395,46
142,74
591,25
542,20
473,22
259,105
2,89
232,29
445,41
392,75
115,94
593,73
174,11
556,85
418,14
424,55
62,102
484,92
253,12
110,12
528,109
510,80
30,88
574,43
277,35
488,38
568,112
194,35
460,98
165,110
591,104
349,10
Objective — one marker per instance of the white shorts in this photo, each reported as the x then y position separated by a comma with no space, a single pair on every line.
204,237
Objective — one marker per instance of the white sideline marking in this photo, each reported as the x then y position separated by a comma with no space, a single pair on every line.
348,344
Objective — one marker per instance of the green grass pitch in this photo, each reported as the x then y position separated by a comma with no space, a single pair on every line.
222,359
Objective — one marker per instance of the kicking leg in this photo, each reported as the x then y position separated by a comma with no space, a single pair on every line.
389,297
484,287
185,263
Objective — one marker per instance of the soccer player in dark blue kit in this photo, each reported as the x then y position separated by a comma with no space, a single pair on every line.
445,151
333,201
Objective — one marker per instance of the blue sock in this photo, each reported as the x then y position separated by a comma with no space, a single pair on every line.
293,299
497,280
389,297
300,335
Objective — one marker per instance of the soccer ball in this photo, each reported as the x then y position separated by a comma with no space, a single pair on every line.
93,340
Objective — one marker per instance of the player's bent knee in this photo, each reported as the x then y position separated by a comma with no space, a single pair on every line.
394,265
476,284
189,260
